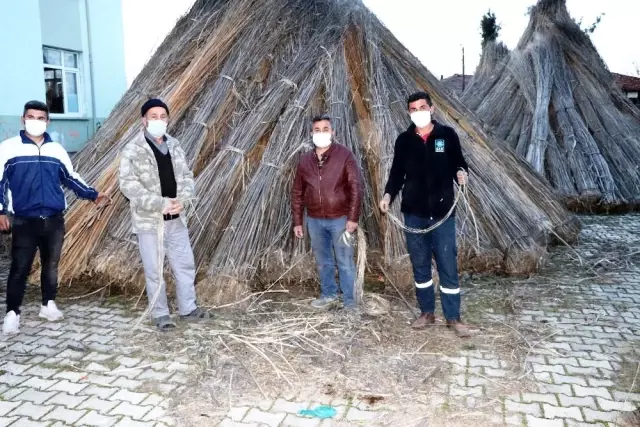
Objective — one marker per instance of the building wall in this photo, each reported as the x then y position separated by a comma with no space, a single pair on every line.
21,73
107,43
62,24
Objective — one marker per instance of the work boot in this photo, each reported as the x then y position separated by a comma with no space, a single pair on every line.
460,329
424,320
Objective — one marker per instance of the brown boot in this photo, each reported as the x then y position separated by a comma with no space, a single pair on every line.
424,320
460,329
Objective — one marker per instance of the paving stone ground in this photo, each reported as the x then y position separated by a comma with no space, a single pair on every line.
579,326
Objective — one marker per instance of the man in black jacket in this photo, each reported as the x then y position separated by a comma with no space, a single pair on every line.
426,161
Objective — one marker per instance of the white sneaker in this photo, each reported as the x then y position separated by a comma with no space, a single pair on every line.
11,324
51,312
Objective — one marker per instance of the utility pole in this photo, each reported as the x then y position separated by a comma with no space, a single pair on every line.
463,75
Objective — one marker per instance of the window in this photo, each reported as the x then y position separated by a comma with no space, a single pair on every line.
62,81
634,98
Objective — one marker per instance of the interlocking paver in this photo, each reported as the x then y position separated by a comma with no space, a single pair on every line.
6,421
585,372
29,410
281,405
622,396
128,422
554,412
567,379
67,400
257,416
610,405
97,404
541,422
128,362
69,416
295,421
592,391
134,411
153,400
577,401
558,369
38,383
126,383
591,415
95,419
129,396
25,422
14,368
157,413
6,407
68,386
35,396
101,392
238,413
12,380
526,408
540,398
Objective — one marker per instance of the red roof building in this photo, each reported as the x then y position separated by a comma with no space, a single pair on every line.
630,85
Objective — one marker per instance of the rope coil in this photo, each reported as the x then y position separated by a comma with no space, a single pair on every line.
397,221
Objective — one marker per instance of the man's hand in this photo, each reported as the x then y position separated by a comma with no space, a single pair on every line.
4,223
174,208
102,200
352,226
384,203
297,230
462,177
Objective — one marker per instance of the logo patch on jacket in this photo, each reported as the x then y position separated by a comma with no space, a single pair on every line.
439,145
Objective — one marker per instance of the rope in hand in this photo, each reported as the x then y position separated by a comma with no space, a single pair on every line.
397,221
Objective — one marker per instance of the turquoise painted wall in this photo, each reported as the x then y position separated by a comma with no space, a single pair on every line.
62,24
107,43
21,72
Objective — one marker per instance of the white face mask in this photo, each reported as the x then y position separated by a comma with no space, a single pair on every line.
157,128
35,127
322,139
421,118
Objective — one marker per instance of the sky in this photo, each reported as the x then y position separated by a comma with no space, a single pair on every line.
433,30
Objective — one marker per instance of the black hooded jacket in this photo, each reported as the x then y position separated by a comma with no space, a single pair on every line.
425,171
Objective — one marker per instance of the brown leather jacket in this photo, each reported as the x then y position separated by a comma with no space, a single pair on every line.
328,192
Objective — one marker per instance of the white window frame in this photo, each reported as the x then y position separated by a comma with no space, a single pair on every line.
79,82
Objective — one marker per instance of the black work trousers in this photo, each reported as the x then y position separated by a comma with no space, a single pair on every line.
27,236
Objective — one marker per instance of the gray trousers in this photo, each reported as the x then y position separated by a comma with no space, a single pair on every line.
177,248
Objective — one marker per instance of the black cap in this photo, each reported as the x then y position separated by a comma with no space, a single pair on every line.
151,104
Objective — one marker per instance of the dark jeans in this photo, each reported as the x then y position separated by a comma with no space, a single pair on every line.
28,235
440,243
326,239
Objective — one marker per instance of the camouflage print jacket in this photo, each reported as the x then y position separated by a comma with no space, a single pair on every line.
140,182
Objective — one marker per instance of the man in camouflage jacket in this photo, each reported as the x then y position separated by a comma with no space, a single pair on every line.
155,177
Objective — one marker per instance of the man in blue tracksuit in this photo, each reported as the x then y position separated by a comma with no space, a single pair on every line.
33,169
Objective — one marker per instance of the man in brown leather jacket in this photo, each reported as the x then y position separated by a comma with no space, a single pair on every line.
328,184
